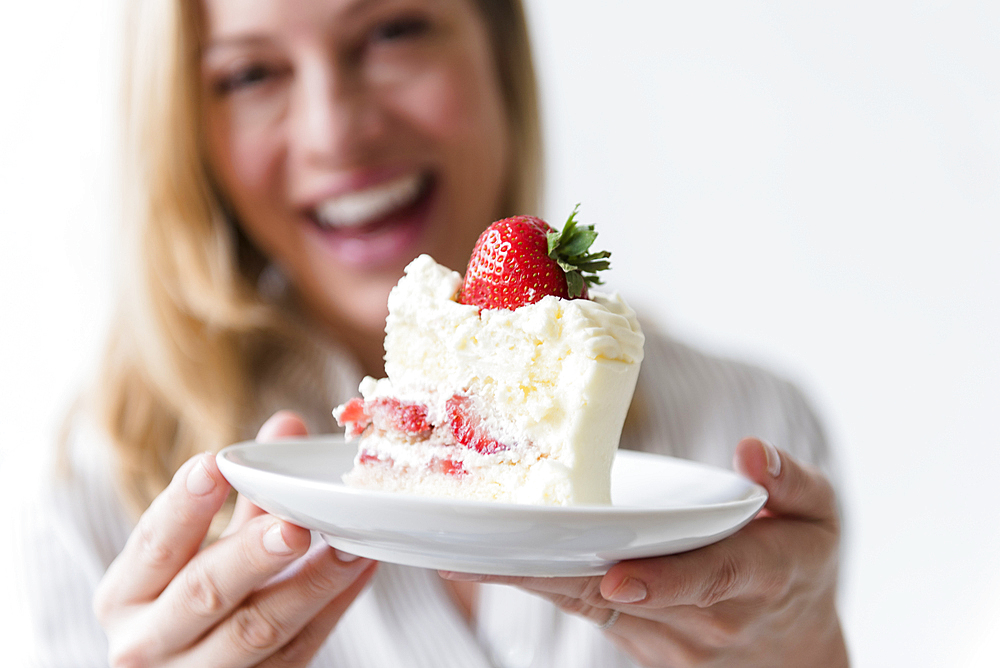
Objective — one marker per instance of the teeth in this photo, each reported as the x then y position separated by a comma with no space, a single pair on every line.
363,206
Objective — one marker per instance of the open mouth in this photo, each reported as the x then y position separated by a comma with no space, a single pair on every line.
362,211
379,224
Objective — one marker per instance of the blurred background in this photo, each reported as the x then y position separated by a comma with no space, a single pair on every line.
814,187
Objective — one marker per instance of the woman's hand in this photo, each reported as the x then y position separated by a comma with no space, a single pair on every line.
254,597
762,597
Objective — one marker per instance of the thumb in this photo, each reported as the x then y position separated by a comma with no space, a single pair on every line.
794,489
282,424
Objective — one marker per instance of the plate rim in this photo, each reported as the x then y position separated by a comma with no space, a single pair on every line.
756,492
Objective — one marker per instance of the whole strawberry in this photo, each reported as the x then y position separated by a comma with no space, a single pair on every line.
519,260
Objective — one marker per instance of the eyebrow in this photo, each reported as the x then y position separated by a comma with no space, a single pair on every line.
233,41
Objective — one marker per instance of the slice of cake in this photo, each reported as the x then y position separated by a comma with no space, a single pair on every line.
517,395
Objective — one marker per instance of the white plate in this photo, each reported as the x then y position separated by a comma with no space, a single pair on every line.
660,505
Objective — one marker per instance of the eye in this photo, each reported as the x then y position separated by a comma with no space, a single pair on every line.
404,27
249,76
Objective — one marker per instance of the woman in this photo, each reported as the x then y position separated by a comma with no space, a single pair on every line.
285,160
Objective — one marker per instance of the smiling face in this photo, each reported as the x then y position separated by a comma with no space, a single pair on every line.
350,136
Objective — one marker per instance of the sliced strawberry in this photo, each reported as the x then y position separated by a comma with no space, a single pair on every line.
467,428
447,467
396,415
353,416
386,414
368,458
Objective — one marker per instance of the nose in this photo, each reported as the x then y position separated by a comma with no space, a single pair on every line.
334,122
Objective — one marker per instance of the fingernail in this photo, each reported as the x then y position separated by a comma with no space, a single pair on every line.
629,591
274,542
773,459
199,482
345,557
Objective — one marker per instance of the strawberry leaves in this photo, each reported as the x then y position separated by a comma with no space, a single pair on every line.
569,246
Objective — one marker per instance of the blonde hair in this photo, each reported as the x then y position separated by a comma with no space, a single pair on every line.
192,329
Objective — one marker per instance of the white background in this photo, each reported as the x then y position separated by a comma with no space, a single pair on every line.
813,188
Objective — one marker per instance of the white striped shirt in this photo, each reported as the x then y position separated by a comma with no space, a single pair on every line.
690,405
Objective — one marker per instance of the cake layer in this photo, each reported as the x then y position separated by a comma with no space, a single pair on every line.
430,468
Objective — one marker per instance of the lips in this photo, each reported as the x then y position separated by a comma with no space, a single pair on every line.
376,225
